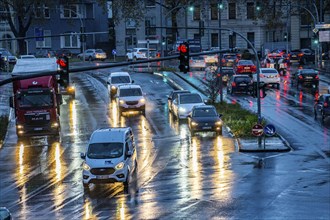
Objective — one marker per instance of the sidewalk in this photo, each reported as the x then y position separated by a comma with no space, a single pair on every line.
272,144
5,93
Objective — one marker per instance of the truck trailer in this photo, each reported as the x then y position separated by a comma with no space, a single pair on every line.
36,101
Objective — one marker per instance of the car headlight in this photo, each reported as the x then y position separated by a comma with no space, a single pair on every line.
219,123
119,166
121,102
85,166
20,126
143,100
113,87
182,109
194,123
71,88
55,125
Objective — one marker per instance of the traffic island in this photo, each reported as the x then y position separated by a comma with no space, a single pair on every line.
265,144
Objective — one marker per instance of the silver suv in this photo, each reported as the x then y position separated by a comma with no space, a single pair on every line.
93,54
130,98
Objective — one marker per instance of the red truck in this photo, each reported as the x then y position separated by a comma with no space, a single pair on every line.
37,100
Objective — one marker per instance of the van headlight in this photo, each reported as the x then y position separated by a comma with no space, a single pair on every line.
119,166
143,100
85,166
122,102
218,123
113,87
194,123
182,109
20,126
55,125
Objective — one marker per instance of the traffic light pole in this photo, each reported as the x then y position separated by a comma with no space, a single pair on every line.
219,56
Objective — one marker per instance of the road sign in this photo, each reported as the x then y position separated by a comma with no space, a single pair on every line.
322,26
269,130
324,36
257,130
114,52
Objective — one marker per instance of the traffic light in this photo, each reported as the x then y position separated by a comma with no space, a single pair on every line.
221,5
184,57
285,36
63,63
315,39
201,28
258,6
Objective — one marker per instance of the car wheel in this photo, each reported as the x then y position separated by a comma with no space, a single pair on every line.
277,86
144,112
192,132
90,59
86,187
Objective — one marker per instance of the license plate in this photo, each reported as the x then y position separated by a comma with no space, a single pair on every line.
37,129
102,177
206,128
242,84
309,77
294,56
246,68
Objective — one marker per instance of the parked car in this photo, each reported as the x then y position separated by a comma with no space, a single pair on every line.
322,106
309,77
110,156
45,53
211,58
204,118
295,56
27,57
130,98
228,60
63,52
6,56
244,67
239,83
183,104
5,214
197,62
117,79
137,54
93,54
268,76
172,96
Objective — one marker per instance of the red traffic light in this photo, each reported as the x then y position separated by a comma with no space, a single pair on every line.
182,48
62,62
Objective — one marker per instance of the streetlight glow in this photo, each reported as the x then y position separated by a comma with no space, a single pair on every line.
191,8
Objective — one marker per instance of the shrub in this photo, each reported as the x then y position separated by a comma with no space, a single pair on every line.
239,120
3,127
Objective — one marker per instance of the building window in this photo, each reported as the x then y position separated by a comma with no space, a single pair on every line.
150,22
72,11
232,11
214,40
41,11
305,19
47,42
250,37
214,12
232,40
250,10
197,13
150,3
70,41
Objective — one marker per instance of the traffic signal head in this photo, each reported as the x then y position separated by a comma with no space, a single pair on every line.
258,7
63,64
184,57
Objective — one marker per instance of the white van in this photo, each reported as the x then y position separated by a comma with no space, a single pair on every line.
116,79
110,157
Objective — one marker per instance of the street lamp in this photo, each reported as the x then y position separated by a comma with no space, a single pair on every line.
219,56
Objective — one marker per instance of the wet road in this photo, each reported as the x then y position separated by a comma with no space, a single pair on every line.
179,176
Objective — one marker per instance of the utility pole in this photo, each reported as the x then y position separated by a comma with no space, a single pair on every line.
219,56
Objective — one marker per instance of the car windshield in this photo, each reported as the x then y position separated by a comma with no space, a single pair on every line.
120,79
105,150
130,92
306,71
190,98
99,51
245,62
242,79
30,100
204,112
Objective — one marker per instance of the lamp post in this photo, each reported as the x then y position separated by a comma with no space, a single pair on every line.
220,6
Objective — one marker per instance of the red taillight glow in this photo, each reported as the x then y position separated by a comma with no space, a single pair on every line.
326,104
233,84
317,77
239,69
300,77
253,69
223,60
300,54
261,75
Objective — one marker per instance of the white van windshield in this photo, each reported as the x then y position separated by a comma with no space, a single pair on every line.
105,150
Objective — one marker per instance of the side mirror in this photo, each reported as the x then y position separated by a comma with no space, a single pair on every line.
82,155
59,99
220,115
132,81
11,101
129,153
169,97
108,82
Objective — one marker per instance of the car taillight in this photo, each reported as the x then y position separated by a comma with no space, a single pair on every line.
277,75
223,60
253,68
233,84
325,104
239,69
261,75
139,52
300,54
317,77
300,77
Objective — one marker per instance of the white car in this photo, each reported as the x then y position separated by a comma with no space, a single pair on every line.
130,98
137,54
27,57
197,63
117,79
110,157
184,103
269,76
93,54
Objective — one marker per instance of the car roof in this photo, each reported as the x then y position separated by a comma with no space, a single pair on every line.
119,74
109,135
307,71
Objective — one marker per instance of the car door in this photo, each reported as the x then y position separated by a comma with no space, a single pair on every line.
175,106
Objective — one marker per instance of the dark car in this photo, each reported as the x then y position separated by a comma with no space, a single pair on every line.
244,67
204,118
172,96
322,106
308,77
5,214
239,83
6,56
228,60
63,52
302,56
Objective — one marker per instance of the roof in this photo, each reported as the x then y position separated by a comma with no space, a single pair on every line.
25,66
109,135
119,74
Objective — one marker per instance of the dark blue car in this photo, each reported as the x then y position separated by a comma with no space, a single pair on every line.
204,118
